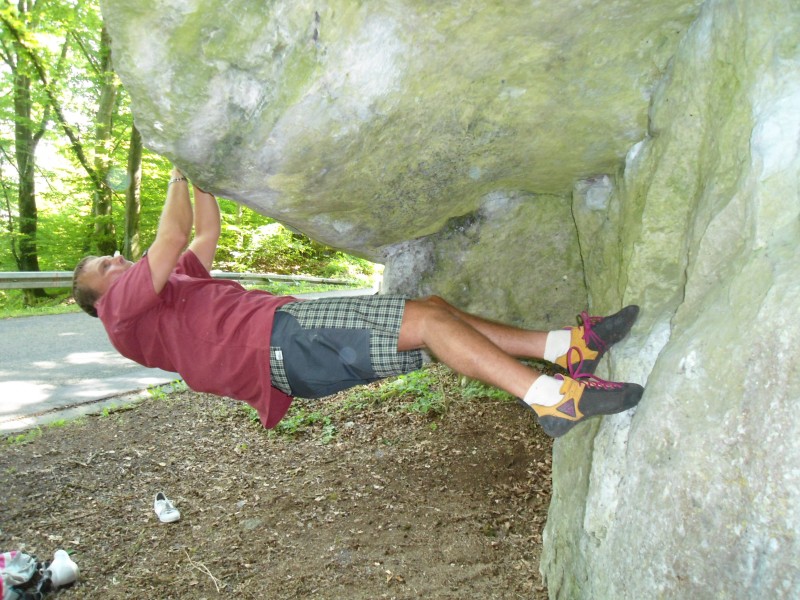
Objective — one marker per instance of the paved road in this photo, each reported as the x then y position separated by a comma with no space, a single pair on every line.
61,366
52,362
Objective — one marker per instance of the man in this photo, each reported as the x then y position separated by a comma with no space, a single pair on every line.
166,311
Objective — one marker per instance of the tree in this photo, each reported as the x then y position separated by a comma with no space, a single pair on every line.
104,236
85,30
133,197
31,117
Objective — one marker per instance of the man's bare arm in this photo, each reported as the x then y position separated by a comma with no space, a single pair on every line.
173,232
206,227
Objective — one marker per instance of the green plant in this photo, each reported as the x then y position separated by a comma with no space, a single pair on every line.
267,246
25,437
299,419
329,432
472,389
12,304
179,385
420,392
250,413
423,388
156,392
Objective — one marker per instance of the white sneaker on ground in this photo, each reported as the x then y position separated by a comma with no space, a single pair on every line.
166,511
63,569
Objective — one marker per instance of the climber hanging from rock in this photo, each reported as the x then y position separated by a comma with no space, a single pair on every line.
166,311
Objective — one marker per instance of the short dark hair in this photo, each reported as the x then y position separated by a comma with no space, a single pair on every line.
84,295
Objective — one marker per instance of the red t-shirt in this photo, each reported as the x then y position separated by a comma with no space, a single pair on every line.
212,331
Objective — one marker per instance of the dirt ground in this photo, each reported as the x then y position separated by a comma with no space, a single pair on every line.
394,505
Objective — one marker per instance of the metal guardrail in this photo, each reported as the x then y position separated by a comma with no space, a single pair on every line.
20,280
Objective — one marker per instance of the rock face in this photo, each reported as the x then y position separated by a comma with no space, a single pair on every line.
697,495
517,256
367,124
521,159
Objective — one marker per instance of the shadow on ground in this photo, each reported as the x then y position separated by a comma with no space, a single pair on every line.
395,505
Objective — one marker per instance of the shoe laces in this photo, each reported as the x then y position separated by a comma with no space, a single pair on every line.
590,380
588,333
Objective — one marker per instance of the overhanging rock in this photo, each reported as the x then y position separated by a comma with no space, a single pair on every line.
367,124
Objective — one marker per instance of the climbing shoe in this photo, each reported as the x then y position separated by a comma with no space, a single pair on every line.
586,397
594,336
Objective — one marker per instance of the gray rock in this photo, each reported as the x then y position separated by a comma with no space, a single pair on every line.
524,159
697,494
516,258
368,124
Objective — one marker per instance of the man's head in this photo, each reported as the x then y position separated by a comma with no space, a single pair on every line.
93,276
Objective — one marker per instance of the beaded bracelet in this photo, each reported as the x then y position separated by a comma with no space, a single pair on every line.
175,179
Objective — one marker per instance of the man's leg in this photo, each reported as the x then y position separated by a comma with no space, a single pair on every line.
474,347
482,350
521,343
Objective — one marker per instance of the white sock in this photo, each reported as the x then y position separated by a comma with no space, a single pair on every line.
545,391
557,344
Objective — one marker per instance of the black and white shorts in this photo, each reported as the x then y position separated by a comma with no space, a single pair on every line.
320,347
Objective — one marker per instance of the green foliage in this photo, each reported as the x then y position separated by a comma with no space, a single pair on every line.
262,245
429,391
419,392
250,413
300,419
471,389
157,392
177,386
25,437
12,304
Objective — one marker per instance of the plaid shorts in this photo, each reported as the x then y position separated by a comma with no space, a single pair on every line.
323,346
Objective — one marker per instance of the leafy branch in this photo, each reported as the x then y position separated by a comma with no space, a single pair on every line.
17,32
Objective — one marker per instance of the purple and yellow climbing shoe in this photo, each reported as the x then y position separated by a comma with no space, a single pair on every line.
585,396
594,336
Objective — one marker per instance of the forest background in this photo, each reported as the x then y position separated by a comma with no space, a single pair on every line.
74,176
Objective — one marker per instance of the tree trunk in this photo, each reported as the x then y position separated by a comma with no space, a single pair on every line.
104,235
133,204
26,140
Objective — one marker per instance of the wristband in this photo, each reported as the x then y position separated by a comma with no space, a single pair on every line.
175,179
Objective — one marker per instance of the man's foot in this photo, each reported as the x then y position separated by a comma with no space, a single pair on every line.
594,337
585,398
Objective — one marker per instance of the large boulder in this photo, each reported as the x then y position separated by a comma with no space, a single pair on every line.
371,123
524,159
696,494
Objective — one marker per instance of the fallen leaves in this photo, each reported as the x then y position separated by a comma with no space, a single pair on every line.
389,507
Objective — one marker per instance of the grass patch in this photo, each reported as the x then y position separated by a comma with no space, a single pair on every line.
12,304
117,409
421,392
428,393
162,392
26,437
